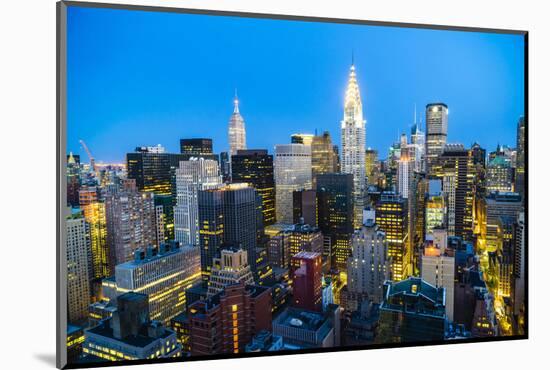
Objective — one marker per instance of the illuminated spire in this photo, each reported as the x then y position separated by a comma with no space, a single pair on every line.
353,136
236,102
352,104
236,131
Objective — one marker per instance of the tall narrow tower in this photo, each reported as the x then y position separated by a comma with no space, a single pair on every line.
353,144
237,131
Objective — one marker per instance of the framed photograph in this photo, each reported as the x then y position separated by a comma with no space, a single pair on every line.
235,184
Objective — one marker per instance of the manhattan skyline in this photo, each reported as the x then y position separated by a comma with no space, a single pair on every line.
166,83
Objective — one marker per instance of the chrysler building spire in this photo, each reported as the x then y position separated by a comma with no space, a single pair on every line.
353,138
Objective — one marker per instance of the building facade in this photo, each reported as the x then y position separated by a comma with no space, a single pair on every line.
292,173
353,135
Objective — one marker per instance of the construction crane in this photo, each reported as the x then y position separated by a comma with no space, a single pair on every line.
92,160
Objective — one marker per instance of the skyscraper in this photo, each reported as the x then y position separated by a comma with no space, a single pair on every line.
335,216
255,167
438,269
306,270
304,204
305,139
499,174
520,158
455,167
94,213
73,179
163,274
368,266
78,284
237,313
496,206
192,176
196,147
353,135
231,268
437,118
292,172
392,218
323,158
236,130
227,215
131,222
372,166
150,167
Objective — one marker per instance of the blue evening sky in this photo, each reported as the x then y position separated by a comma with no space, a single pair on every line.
145,78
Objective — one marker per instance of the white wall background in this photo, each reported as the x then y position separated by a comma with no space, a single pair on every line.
27,179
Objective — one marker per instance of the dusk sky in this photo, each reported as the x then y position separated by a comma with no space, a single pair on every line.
139,78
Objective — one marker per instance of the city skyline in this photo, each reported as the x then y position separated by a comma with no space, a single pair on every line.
486,92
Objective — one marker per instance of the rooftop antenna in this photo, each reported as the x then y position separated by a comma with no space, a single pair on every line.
352,57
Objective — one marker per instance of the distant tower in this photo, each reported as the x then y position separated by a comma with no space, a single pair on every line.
237,131
353,144
437,118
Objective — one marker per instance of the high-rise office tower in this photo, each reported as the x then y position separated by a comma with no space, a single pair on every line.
163,274
437,119
73,179
479,156
196,147
520,158
237,313
94,213
498,205
418,145
236,130
304,207
130,334
304,237
372,166
225,166
305,139
353,135
412,311
230,268
150,167
435,209
292,172
278,246
405,171
368,266
519,265
78,274
438,269
227,215
335,216
323,158
455,167
306,269
392,218
131,222
499,174
255,167
192,176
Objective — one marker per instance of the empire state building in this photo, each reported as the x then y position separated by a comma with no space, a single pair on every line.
353,144
237,132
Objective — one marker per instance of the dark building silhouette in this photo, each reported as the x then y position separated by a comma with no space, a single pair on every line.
255,167
227,215
335,215
196,147
304,204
